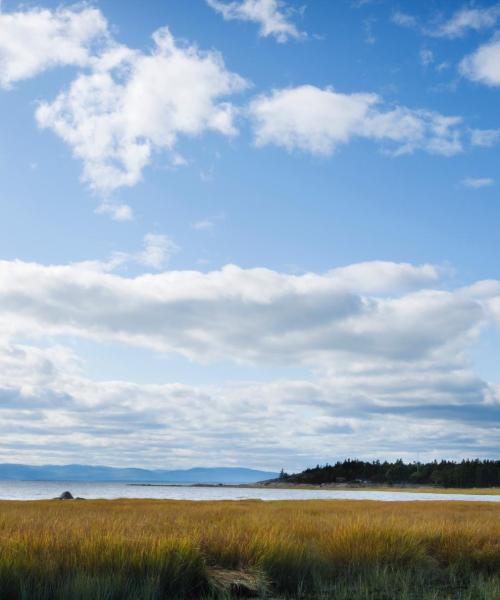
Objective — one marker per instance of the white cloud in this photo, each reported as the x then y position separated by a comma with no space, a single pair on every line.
463,20
466,19
132,104
157,251
426,57
118,212
404,19
370,37
442,66
203,225
484,137
39,39
272,16
483,65
477,182
208,223
317,120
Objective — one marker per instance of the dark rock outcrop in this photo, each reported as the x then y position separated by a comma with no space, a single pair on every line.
65,496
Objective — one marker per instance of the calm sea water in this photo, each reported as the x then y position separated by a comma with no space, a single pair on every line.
38,490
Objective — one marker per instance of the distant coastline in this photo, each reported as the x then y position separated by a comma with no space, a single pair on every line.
423,489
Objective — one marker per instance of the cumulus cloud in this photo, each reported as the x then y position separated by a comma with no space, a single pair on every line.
272,16
483,65
125,105
39,39
318,120
132,104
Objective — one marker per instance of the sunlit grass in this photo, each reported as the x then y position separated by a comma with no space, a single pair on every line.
167,549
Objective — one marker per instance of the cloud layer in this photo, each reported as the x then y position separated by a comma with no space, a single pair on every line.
386,350
253,315
49,408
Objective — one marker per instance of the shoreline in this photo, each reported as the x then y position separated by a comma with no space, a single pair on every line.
413,489
334,487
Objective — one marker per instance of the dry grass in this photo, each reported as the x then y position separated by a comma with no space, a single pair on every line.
167,549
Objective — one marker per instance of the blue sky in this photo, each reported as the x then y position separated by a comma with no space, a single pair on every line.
340,157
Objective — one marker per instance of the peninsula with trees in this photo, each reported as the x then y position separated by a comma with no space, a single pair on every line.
445,473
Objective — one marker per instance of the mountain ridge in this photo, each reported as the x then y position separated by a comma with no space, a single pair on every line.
79,472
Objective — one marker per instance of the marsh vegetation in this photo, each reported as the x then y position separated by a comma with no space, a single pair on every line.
152,549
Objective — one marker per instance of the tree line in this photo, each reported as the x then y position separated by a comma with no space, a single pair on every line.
464,474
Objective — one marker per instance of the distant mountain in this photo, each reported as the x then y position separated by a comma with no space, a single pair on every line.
100,473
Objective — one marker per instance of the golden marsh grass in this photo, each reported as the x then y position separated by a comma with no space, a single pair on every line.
168,549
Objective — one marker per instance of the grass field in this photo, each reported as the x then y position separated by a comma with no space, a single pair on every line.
151,549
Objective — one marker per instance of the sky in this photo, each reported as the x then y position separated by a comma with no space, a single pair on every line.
253,233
